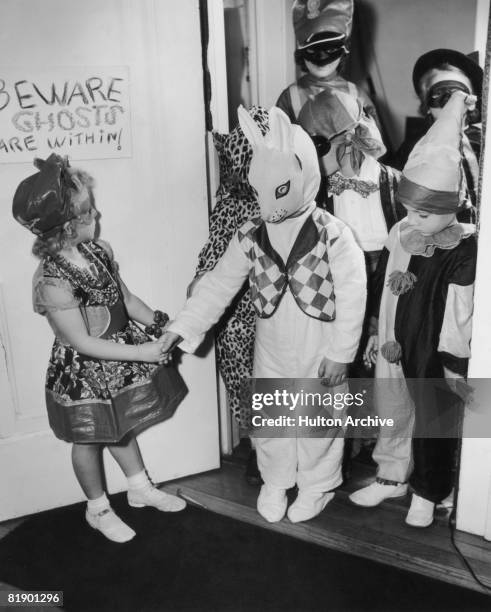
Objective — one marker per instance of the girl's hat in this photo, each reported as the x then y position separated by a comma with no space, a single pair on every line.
320,21
337,116
42,201
432,177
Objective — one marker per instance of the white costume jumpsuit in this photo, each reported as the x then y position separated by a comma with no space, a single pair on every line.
290,344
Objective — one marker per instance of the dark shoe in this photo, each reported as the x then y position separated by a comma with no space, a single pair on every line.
252,473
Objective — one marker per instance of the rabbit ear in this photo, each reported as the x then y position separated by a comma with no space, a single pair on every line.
250,128
281,133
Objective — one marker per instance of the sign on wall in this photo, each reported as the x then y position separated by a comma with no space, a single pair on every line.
81,112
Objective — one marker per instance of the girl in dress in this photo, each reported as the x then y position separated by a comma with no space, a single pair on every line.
102,384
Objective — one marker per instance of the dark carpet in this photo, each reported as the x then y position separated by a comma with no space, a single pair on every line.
200,561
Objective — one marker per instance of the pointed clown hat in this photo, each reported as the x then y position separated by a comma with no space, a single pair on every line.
432,177
317,21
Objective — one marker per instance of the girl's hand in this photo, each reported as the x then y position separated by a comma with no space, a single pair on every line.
167,344
149,352
371,350
333,372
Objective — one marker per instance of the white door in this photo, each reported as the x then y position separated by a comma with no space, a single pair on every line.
154,213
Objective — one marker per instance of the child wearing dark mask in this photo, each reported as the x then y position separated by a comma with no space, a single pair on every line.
436,75
359,190
322,30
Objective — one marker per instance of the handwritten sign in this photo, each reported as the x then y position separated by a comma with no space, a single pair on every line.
76,111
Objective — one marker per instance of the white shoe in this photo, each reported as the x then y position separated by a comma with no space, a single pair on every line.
307,505
375,494
421,512
110,525
151,496
271,503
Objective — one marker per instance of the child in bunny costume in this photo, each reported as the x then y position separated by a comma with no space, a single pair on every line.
308,286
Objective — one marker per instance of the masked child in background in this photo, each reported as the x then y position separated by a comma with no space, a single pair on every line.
102,383
307,284
360,191
426,278
322,30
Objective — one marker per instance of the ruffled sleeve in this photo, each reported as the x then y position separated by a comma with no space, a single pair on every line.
50,294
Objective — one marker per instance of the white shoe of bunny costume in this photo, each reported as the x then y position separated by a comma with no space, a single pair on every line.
271,503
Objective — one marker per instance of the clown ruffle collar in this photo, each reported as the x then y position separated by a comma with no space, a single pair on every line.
416,243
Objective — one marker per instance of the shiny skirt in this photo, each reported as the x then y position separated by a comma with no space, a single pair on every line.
100,401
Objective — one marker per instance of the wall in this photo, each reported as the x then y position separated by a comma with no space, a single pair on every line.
474,508
272,46
154,213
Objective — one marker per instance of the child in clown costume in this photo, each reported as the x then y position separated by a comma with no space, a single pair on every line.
426,275
309,310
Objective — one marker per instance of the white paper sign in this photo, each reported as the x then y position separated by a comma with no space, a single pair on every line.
82,112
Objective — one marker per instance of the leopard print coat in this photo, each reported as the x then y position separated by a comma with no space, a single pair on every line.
236,204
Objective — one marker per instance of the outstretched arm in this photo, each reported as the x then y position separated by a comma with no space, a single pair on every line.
69,325
212,295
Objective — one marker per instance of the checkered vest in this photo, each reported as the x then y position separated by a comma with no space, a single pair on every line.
307,271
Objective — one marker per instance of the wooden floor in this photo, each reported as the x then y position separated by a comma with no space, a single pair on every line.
378,533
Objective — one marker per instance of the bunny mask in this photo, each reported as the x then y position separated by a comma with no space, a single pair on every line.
284,168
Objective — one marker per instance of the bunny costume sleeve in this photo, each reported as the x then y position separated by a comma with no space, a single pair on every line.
289,343
211,296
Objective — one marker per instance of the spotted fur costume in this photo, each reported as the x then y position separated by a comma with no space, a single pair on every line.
236,204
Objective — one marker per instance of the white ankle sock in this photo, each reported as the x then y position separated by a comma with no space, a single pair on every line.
94,506
139,481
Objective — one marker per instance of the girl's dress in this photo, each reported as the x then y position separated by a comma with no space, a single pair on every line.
88,399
